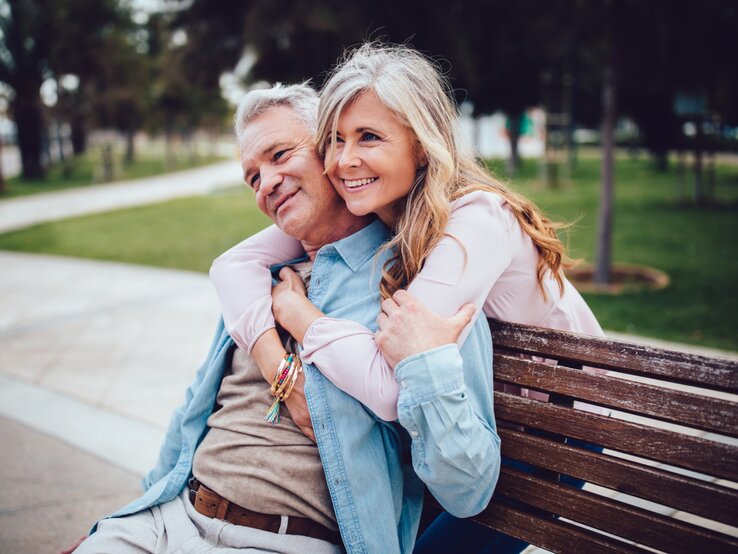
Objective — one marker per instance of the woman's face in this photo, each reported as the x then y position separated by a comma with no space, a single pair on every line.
374,163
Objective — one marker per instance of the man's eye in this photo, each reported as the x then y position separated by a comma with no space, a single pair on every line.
369,136
254,180
279,154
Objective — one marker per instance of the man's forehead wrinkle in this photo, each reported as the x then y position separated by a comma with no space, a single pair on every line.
253,148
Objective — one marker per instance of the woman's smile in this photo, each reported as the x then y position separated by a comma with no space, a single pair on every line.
357,183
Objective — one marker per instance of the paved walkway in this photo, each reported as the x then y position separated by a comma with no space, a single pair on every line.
16,213
93,359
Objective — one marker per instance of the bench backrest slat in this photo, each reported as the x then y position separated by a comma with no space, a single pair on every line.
701,371
694,453
693,495
551,534
676,406
630,522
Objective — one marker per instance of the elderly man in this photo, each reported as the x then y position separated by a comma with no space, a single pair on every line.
268,487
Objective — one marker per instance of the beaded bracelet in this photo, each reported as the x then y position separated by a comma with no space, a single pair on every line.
284,381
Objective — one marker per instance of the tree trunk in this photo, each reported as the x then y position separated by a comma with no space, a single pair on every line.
514,125
699,191
604,226
29,121
2,175
59,140
130,147
681,195
79,135
661,160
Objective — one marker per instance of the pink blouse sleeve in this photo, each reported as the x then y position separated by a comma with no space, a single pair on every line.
243,282
461,269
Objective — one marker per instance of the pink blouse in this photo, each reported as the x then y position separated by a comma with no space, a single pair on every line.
485,259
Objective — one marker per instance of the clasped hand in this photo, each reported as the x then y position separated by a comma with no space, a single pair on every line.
407,327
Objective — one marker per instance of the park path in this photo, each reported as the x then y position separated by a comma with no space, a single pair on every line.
93,359
24,211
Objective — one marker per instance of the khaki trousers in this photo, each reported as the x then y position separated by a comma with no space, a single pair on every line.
175,527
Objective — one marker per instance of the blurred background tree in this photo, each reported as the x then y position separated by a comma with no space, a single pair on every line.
167,67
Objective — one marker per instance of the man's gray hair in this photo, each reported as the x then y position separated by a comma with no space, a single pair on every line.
301,98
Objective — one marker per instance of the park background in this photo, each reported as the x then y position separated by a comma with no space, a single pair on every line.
619,117
627,113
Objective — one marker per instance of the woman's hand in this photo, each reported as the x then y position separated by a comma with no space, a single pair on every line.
407,327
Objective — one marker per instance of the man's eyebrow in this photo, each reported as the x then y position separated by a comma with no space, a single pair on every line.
270,148
263,152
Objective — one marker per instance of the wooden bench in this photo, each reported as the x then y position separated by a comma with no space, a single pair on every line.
671,456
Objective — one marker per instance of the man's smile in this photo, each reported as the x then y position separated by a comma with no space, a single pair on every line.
279,202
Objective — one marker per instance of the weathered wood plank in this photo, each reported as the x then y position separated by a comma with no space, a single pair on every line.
695,453
677,491
553,535
701,371
636,524
685,408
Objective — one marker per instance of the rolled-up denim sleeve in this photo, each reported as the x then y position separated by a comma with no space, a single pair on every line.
455,448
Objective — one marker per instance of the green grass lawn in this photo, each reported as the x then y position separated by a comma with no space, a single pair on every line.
85,170
694,245
184,234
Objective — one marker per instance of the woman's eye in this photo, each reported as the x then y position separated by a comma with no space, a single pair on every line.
369,136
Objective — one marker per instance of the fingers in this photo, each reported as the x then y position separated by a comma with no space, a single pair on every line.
287,274
309,433
463,317
382,320
389,306
402,297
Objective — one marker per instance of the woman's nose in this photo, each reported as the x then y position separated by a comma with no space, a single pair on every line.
348,156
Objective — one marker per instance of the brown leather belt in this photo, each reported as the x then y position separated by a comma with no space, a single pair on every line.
209,503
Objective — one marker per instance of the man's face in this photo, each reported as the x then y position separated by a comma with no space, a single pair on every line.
281,166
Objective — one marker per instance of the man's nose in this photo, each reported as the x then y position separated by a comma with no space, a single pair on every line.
270,180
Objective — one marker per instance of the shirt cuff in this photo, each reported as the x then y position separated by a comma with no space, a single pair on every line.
423,377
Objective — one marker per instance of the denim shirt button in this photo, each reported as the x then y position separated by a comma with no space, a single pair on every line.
414,434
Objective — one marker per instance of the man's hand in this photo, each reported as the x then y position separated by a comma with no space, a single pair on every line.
407,327
72,547
297,405
287,291
291,306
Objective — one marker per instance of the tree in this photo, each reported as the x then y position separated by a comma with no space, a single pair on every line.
41,40
26,39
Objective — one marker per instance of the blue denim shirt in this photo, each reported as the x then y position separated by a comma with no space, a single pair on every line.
375,470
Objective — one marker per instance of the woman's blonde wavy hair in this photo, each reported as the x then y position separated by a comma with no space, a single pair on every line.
413,87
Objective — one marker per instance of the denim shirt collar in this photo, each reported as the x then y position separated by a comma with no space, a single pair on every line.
356,249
